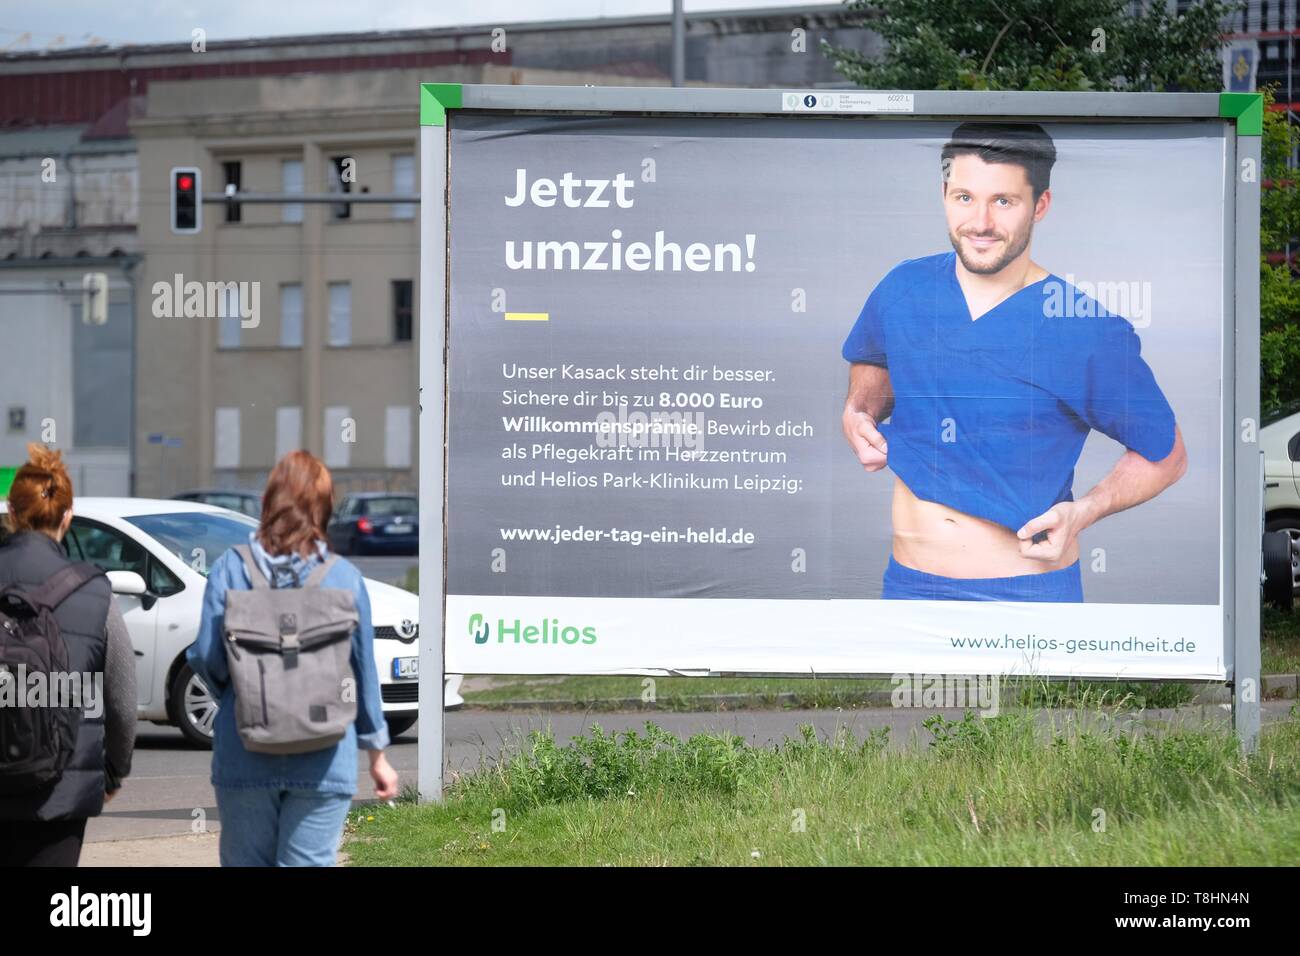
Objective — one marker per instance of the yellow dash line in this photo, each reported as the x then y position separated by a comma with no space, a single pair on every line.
528,316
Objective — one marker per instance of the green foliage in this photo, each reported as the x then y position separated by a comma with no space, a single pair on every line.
980,737
1279,292
1118,695
603,766
1036,45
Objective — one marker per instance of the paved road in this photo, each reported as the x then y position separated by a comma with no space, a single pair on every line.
390,570
168,789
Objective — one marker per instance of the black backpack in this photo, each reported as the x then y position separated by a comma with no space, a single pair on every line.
36,742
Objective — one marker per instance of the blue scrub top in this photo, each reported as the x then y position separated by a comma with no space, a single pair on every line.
990,415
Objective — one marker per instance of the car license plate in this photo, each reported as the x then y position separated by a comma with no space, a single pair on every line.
398,529
406,668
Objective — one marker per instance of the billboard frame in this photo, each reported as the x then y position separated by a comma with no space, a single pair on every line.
1241,500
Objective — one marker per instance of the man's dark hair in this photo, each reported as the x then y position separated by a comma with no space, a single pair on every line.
1026,145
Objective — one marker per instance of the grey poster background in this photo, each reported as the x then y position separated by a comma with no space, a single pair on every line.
835,204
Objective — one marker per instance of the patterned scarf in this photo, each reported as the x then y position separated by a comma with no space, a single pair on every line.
285,570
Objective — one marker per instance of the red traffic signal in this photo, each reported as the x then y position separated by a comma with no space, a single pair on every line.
186,200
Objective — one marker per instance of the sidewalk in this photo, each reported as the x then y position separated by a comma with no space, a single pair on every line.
192,849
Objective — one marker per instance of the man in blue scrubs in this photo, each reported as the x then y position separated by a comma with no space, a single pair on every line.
991,381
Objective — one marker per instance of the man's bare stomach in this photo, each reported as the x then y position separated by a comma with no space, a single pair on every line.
939,540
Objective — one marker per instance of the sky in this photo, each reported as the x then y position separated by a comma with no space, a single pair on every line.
29,26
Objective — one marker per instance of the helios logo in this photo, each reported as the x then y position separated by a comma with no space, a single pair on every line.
518,631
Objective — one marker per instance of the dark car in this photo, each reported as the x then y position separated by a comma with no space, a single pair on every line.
245,502
375,522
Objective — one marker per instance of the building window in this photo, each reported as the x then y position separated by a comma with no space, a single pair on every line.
234,174
291,316
404,184
339,435
291,182
340,313
402,295
397,436
227,302
288,430
341,210
225,438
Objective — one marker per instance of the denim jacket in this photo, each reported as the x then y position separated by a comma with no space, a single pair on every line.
332,770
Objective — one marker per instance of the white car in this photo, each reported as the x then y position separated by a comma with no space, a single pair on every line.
1280,441
157,552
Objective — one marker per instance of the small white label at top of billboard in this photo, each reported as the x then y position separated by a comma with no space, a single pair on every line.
834,101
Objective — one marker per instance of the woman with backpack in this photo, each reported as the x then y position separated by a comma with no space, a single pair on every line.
287,645
61,760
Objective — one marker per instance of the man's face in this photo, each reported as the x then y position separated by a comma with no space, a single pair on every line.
991,212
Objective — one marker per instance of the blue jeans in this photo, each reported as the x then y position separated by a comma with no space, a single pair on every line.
908,584
280,827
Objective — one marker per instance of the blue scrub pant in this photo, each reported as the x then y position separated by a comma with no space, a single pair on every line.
908,584
280,827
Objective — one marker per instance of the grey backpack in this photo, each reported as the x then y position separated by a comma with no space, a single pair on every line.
289,651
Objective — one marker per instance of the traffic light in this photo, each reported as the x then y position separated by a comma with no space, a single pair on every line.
187,200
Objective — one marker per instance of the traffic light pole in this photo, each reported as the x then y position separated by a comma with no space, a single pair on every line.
334,199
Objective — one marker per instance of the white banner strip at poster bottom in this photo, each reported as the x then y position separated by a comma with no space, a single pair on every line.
583,635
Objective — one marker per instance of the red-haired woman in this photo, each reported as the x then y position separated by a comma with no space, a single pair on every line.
45,825
289,809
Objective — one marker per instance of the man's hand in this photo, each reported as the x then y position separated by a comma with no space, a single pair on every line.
865,440
1132,481
1061,523
870,399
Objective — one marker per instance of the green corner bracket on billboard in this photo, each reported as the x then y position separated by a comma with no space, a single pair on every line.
435,100
1247,109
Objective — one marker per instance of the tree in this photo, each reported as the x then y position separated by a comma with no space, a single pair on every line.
1098,45
1036,45
1279,292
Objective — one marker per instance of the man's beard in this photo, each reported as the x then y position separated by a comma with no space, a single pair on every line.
1013,249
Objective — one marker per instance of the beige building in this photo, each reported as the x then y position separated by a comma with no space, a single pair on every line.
306,332
316,347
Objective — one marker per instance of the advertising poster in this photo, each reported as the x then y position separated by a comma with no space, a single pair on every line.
835,395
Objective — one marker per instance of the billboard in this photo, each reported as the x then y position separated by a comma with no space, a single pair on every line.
838,384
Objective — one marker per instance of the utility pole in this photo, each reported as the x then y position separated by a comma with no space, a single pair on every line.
679,44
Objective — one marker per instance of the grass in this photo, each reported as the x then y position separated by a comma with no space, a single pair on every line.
1011,790
693,694
679,693
1279,641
